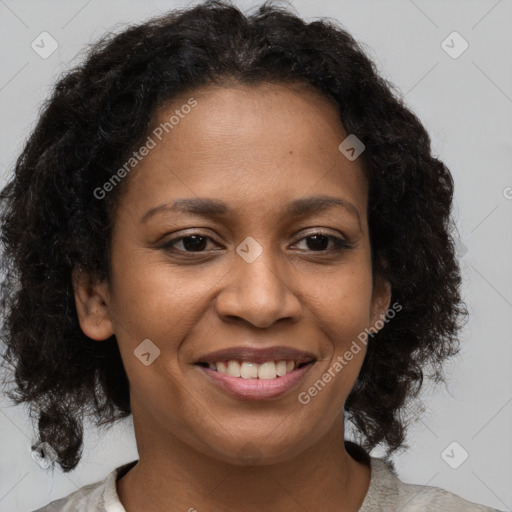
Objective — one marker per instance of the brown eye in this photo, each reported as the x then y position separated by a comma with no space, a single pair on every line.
190,243
319,242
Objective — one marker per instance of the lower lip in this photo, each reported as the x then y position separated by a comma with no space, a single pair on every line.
257,389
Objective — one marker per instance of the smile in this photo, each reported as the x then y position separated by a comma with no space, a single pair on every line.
251,370
252,381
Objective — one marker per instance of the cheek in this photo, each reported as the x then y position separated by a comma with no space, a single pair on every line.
343,311
154,298
163,303
342,303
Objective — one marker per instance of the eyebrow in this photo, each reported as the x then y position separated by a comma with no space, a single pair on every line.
216,208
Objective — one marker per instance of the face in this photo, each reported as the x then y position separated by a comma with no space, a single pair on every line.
267,267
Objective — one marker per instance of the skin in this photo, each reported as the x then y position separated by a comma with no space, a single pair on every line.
255,148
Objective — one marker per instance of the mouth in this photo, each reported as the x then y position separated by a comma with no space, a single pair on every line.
256,374
267,370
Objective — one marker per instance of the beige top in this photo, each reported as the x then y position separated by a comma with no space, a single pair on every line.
386,493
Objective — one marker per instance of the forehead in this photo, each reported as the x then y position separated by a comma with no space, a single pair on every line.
259,143
269,116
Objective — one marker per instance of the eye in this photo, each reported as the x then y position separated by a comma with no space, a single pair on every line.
198,243
191,243
317,242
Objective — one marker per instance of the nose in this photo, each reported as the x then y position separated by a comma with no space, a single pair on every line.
259,293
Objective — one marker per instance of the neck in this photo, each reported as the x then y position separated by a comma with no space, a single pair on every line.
324,477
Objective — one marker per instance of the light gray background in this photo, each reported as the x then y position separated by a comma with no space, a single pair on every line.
465,103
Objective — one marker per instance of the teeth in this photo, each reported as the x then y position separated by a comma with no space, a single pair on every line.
281,368
248,370
222,367
233,369
267,370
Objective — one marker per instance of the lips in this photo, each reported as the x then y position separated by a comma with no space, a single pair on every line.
275,383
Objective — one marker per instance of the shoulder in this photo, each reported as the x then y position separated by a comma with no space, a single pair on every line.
99,496
388,492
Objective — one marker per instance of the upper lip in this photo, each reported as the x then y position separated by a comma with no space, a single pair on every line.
258,355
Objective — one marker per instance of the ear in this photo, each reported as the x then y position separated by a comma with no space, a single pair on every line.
91,300
381,298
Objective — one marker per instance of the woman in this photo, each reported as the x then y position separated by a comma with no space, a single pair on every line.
230,227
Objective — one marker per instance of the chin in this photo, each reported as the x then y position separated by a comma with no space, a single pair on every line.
257,450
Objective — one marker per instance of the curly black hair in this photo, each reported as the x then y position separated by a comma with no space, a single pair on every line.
99,111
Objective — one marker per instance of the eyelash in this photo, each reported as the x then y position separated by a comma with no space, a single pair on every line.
339,243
